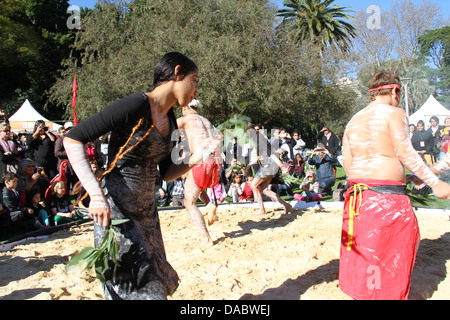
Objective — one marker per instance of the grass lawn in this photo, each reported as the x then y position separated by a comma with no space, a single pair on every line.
428,201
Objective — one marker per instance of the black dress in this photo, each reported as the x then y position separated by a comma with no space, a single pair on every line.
130,189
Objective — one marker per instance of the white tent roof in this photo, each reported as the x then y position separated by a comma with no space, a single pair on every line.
27,113
430,108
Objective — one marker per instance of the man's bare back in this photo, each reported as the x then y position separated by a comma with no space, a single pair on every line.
377,146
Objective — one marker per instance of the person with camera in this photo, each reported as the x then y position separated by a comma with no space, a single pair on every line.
329,141
323,160
31,177
42,148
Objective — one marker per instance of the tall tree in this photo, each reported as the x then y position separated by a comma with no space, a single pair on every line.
233,43
34,39
319,22
394,46
434,47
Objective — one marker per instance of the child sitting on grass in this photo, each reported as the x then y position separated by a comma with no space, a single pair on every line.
36,216
310,189
247,192
61,208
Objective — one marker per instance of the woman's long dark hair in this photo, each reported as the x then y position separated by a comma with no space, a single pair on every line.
164,71
165,67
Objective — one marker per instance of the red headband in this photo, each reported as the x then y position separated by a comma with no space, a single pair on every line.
388,86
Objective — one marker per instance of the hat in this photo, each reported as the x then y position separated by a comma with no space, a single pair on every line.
310,173
68,125
23,132
195,104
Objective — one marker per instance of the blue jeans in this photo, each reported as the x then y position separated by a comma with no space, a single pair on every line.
42,217
327,183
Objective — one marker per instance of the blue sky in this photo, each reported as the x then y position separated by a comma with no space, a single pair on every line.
357,5
385,5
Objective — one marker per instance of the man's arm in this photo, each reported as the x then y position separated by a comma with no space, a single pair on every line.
398,130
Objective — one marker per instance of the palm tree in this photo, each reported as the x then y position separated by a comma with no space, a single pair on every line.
318,22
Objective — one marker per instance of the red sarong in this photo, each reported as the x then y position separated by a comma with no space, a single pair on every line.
379,241
206,174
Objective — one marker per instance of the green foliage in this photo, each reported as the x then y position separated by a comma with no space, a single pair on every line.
318,21
99,257
434,46
239,55
33,40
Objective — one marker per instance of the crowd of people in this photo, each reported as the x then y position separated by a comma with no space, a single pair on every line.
432,143
33,159
34,194
240,164
374,160
34,198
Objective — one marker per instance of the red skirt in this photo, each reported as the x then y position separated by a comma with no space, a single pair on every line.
206,174
379,241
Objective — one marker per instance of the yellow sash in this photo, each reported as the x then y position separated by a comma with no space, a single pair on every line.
353,211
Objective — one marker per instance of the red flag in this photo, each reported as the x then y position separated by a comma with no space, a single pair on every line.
74,101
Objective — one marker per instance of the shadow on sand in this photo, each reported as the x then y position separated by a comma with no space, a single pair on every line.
429,271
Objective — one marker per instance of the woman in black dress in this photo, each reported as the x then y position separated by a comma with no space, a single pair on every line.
147,121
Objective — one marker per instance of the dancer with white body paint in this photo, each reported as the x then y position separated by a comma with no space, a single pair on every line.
380,231
196,129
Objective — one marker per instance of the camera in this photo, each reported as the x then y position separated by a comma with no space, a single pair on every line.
42,127
39,170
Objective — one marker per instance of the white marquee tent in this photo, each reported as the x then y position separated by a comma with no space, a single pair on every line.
26,117
430,108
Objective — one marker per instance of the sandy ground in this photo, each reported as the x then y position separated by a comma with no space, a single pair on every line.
275,256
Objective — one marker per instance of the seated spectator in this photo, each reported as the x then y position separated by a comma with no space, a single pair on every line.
299,166
236,186
4,220
11,200
61,207
36,217
322,159
247,192
162,198
217,192
83,201
232,170
177,193
310,188
284,189
30,177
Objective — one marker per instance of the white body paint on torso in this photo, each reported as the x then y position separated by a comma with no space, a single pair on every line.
377,146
